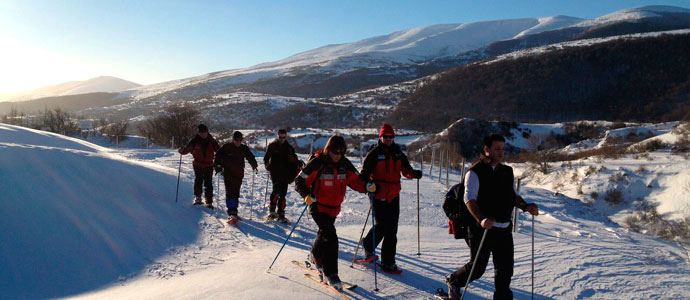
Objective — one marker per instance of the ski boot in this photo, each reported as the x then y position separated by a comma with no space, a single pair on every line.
316,263
453,290
197,200
334,281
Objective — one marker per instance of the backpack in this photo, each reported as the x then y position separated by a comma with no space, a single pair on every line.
459,217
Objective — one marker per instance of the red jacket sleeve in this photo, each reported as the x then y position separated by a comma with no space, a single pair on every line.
355,182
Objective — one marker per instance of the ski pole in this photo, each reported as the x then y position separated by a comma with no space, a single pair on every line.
266,190
474,263
366,220
288,237
373,240
418,245
179,170
251,207
532,256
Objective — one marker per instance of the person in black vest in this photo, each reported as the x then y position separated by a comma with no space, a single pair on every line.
490,196
281,161
230,161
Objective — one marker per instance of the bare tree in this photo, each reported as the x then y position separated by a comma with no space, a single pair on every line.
115,131
178,122
543,147
58,121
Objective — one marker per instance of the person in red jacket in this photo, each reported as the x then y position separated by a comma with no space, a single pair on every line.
322,183
383,164
203,147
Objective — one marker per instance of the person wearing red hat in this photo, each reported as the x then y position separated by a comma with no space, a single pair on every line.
384,164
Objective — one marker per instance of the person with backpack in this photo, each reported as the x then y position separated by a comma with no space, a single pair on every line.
282,163
322,183
489,196
383,164
230,162
203,147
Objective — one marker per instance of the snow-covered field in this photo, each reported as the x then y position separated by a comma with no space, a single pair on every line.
86,222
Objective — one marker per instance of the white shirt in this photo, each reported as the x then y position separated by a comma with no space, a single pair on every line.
472,189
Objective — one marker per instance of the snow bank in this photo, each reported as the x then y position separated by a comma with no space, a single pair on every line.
76,217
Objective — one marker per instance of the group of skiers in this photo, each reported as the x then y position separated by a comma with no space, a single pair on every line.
489,196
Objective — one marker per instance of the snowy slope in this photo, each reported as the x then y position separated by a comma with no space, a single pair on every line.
77,216
103,224
105,84
404,47
400,47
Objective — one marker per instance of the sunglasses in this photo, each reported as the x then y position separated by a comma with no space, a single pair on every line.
338,152
387,136
282,137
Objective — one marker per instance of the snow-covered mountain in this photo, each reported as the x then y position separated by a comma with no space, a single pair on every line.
411,53
86,222
106,84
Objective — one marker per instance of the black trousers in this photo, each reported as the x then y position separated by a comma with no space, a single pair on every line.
203,176
499,242
386,226
280,187
325,247
233,184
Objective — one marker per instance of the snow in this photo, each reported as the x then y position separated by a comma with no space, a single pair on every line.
107,84
86,222
633,14
550,23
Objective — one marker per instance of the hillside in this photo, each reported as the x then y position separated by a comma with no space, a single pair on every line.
333,70
101,84
635,78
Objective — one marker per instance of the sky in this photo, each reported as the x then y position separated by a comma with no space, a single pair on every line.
45,42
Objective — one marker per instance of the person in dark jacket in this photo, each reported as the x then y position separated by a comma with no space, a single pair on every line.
322,183
230,162
203,147
383,164
490,196
281,161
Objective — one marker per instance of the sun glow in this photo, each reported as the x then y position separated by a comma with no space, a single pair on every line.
25,67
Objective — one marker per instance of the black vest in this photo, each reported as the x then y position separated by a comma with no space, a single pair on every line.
496,197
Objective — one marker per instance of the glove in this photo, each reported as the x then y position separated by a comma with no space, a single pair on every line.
309,199
179,150
370,187
417,174
219,169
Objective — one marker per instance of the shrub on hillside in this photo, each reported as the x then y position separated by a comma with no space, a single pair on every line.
176,122
115,131
58,121
613,196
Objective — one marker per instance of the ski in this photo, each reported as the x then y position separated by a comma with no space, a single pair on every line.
366,260
441,294
346,285
232,220
388,270
317,280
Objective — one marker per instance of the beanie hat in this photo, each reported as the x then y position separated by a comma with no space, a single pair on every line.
386,129
203,128
237,135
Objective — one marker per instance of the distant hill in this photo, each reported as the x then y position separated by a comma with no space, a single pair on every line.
69,103
101,84
644,78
